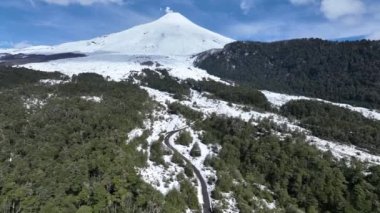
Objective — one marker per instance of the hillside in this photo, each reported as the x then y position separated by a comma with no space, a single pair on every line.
85,144
346,72
135,127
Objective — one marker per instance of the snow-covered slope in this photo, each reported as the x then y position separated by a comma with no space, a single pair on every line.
278,99
172,34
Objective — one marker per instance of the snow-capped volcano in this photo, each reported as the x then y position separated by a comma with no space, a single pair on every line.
172,34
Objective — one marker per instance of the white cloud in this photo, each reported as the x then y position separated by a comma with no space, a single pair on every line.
168,10
19,45
22,44
283,29
302,2
246,6
82,2
336,9
374,36
247,30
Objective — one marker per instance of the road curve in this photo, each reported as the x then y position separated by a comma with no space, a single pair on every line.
206,199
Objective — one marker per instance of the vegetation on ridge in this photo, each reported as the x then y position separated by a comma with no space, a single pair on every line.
347,72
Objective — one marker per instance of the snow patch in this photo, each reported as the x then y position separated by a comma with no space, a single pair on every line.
95,99
33,103
343,151
228,203
161,178
121,66
264,204
135,133
52,82
278,100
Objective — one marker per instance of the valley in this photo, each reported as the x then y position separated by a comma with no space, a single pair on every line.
139,121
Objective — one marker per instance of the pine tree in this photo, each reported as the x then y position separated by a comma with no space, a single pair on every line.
195,151
184,139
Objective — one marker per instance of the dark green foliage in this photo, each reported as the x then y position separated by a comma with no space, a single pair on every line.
301,177
179,201
175,203
189,194
157,152
12,77
336,123
235,94
188,113
177,159
89,78
70,154
184,138
215,194
84,209
224,182
189,171
161,80
195,150
338,71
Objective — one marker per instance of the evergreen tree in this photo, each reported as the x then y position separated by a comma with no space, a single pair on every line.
195,151
184,138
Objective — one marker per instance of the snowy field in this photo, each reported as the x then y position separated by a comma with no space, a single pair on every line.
120,66
162,178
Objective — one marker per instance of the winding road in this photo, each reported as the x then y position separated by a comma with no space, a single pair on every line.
206,199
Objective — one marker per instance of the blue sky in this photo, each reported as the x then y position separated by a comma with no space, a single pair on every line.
34,22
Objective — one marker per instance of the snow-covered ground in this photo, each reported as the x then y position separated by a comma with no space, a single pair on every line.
162,178
198,162
121,66
278,100
343,151
33,103
165,178
229,201
135,133
52,81
200,102
95,99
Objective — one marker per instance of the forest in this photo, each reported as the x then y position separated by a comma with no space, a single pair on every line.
61,152
232,93
254,163
161,80
347,72
63,149
335,123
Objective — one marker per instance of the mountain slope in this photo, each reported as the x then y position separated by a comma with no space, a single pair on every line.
172,34
338,71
